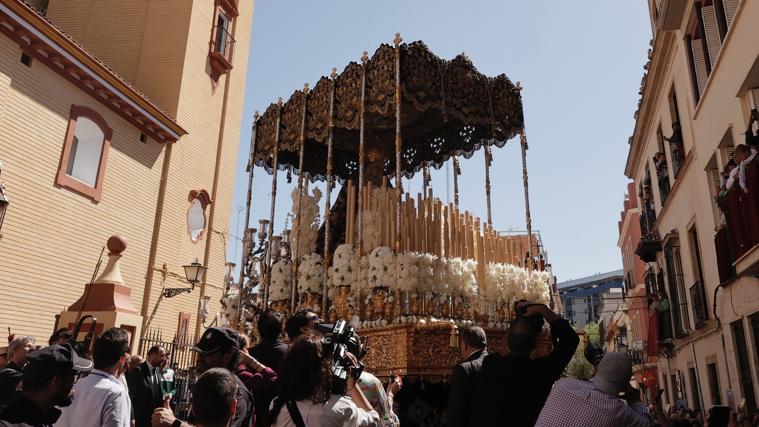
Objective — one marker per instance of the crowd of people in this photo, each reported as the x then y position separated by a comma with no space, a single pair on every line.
298,383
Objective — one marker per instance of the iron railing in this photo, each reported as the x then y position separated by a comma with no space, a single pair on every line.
182,360
223,42
700,310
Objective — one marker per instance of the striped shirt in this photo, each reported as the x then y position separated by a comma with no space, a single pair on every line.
578,403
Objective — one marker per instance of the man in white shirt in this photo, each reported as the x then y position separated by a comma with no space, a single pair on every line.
100,399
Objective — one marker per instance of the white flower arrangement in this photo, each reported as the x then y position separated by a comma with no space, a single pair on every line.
311,274
281,280
460,277
382,267
305,226
229,305
537,287
408,271
344,270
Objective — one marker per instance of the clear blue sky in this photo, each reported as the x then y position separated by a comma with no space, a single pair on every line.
580,63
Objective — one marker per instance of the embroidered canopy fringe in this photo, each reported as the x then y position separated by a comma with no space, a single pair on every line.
448,108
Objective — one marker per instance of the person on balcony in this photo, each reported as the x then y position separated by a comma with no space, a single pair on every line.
744,155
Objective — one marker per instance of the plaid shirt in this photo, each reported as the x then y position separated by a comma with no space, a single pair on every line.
578,403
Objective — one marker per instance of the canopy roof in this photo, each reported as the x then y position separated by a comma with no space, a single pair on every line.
447,108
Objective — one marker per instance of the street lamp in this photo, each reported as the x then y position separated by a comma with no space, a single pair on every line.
4,202
194,272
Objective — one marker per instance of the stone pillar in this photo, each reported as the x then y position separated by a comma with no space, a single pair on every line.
108,300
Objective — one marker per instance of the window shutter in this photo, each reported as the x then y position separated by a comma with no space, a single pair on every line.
730,151
755,97
714,176
730,7
698,60
713,41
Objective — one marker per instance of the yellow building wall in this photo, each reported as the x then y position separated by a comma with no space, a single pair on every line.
161,47
52,236
192,163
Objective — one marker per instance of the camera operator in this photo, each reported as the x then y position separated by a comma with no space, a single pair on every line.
514,387
306,397
379,398
217,348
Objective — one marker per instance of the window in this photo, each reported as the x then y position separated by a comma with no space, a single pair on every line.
662,170
85,151
675,389
695,392
705,33
697,292
676,145
711,370
222,42
677,296
665,386
744,370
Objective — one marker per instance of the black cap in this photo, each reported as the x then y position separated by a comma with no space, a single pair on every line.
55,360
215,339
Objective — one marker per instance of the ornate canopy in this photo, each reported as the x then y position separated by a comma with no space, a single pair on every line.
447,108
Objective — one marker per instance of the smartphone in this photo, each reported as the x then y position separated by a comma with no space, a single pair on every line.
718,416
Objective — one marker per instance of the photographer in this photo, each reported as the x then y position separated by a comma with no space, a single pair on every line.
305,390
379,398
218,348
514,387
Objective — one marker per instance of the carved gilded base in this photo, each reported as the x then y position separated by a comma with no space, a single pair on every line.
341,305
425,351
311,301
280,306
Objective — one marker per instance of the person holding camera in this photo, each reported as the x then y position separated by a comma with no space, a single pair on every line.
515,386
306,397
217,348
379,398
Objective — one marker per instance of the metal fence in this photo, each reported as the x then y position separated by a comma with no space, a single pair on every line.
182,360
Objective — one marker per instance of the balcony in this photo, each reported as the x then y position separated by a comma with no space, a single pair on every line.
662,176
700,309
672,14
741,209
222,47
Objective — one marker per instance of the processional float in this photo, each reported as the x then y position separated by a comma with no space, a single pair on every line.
408,269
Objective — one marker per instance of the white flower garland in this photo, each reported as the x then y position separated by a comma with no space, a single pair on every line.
382,267
281,280
311,274
344,270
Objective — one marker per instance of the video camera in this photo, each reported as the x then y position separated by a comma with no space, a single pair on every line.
339,340
536,320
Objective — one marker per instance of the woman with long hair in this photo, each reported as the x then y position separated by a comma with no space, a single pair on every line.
305,397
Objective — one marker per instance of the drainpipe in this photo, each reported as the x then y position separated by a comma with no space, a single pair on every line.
212,213
154,239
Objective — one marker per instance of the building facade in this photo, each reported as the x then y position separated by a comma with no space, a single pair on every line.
629,328
118,118
696,107
582,299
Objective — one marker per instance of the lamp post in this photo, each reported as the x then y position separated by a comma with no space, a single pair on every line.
193,274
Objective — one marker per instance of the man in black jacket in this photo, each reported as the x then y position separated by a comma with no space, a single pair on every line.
217,348
472,347
145,386
48,378
514,387
270,352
